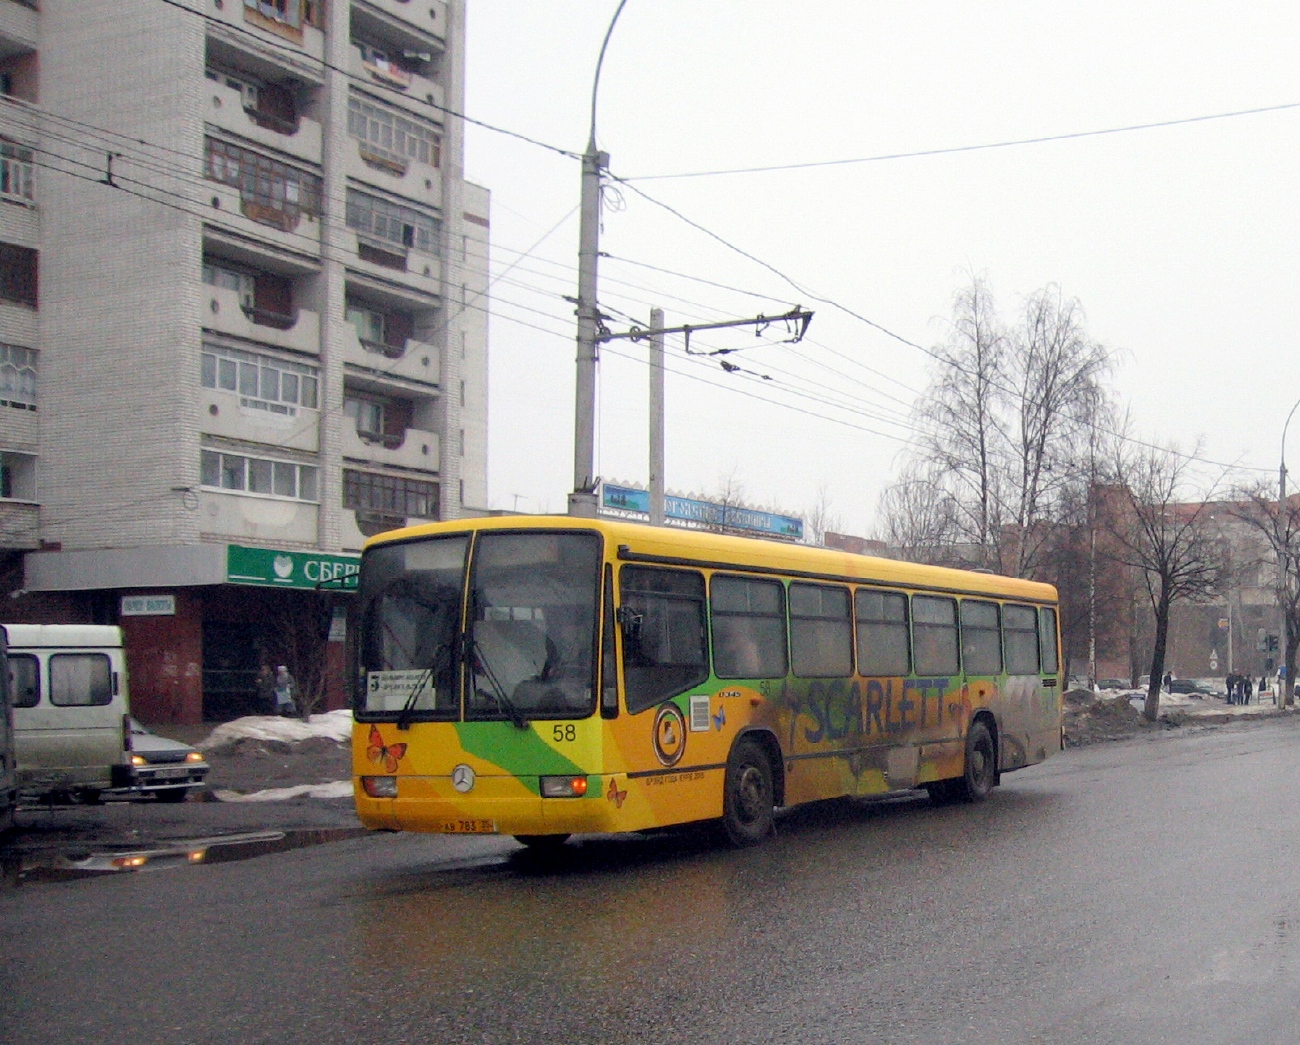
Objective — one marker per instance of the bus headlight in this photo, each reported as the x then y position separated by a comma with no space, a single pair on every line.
380,786
563,786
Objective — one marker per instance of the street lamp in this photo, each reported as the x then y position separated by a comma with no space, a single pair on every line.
1283,563
582,501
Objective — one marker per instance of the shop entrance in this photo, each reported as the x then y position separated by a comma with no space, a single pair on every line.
231,655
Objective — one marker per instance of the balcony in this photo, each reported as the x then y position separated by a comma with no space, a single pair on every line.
299,332
428,16
268,520
230,415
224,207
251,20
415,361
18,431
415,449
18,23
19,325
20,520
410,178
225,109
417,92
393,263
352,537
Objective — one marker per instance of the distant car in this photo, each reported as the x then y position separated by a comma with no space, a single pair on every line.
167,769
1113,684
1191,688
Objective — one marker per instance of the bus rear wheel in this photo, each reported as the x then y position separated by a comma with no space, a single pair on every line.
981,774
748,805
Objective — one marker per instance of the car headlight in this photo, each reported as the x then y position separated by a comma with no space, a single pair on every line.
139,760
194,756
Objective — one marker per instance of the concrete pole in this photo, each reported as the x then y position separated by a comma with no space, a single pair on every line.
657,417
582,501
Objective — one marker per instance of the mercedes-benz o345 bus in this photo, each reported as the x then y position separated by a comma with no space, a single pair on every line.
546,676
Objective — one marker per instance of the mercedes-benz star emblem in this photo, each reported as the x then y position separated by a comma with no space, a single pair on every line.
462,778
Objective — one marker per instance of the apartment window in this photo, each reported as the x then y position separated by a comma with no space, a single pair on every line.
462,442
391,222
367,415
223,471
241,283
18,274
369,324
294,13
391,496
17,377
263,382
388,66
15,171
270,191
390,135
18,476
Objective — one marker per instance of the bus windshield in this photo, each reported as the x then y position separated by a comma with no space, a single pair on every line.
532,628
529,647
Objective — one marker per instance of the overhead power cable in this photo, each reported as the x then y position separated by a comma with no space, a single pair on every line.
951,150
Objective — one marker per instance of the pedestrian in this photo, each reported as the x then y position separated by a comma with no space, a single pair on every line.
1247,689
1231,683
1165,682
265,690
284,692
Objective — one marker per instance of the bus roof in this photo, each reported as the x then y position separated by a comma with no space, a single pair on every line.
33,636
669,544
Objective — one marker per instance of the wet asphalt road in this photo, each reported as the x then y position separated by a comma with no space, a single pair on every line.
1137,892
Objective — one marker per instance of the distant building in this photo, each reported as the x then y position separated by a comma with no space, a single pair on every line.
242,319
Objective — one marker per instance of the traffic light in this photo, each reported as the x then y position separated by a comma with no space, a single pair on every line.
1272,643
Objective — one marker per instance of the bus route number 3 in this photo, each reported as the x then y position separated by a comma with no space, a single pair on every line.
559,732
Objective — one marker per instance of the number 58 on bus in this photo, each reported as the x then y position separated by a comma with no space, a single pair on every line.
548,676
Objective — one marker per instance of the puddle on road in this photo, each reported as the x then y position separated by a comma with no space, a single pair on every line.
68,863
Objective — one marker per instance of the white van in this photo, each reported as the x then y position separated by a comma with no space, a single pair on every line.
71,712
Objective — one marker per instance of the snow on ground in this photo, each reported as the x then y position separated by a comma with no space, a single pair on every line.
334,725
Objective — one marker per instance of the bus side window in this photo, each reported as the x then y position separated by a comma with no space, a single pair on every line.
608,667
981,638
1047,639
934,632
821,633
1020,633
882,633
662,615
748,628
25,680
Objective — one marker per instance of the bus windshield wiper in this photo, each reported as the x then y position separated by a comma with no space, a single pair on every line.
408,709
498,693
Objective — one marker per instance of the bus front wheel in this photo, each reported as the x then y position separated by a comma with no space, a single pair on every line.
748,805
542,843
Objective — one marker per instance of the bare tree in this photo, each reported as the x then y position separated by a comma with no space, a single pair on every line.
821,518
1167,539
1059,402
917,518
1008,420
1279,525
298,641
961,419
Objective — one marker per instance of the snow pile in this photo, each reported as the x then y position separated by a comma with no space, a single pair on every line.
333,725
336,789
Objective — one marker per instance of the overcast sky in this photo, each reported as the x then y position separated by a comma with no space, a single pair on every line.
1180,242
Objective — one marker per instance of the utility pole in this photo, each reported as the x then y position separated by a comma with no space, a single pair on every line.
656,417
582,501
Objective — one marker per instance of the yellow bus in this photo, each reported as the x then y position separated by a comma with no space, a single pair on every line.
547,676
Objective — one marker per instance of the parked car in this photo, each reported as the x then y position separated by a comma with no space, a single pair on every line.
1191,688
167,769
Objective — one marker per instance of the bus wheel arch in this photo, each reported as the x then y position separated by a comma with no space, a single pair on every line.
749,792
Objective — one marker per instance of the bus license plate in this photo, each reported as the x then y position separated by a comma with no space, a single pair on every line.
468,827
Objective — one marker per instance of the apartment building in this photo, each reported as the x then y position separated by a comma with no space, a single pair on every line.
242,321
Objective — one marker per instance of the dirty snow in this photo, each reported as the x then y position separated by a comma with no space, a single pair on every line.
337,789
333,725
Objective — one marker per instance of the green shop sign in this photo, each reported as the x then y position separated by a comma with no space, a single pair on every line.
291,569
